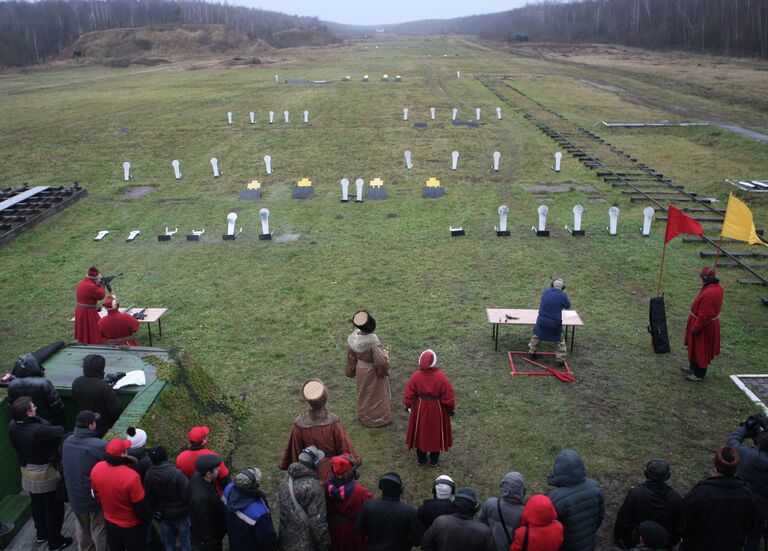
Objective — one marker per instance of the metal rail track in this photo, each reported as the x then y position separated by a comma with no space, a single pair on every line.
614,165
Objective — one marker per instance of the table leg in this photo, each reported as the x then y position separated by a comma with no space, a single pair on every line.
496,344
573,335
149,330
160,326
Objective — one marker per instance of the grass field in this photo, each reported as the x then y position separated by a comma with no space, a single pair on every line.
264,316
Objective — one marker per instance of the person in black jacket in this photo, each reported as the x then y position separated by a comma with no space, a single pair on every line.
459,531
389,524
30,381
441,503
719,511
753,469
208,513
653,500
167,492
92,392
37,443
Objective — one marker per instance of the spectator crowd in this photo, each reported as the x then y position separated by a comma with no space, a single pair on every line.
128,496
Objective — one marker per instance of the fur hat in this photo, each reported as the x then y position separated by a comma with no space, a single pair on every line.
427,359
196,435
207,462
727,461
315,393
110,303
364,321
137,437
93,272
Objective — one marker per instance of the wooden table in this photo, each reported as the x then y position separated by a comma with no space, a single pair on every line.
151,315
515,316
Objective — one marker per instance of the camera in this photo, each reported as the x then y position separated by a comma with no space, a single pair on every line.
755,424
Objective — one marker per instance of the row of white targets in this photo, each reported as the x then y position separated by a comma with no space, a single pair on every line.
195,235
268,164
252,117
454,113
578,211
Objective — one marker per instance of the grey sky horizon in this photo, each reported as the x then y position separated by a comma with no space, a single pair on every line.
387,12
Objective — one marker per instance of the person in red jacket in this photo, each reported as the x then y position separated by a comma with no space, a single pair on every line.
702,333
430,400
185,461
344,498
117,328
88,293
539,529
119,490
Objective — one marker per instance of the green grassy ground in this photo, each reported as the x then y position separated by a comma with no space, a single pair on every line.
264,316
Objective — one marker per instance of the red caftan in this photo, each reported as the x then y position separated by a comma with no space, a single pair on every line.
117,327
702,333
87,296
343,508
430,396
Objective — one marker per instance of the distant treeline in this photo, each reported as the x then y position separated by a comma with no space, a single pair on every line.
31,32
728,27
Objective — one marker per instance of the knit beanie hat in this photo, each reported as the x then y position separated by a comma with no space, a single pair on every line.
727,461
157,454
657,470
137,437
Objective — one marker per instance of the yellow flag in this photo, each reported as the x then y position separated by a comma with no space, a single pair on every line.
738,223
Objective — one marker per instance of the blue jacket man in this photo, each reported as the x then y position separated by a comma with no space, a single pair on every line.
80,451
549,323
249,523
753,469
578,500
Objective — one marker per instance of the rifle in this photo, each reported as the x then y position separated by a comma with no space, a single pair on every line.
107,280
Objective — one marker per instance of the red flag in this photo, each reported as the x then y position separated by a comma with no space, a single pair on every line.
678,223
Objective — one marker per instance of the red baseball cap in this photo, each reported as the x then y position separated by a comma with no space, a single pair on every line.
117,446
196,435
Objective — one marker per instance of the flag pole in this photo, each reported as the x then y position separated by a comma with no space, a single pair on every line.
661,268
719,246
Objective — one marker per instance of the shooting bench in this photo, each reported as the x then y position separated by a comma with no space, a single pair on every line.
151,315
513,316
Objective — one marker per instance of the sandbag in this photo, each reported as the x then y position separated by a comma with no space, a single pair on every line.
658,326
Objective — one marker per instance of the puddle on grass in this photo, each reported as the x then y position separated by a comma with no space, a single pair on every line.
287,237
136,192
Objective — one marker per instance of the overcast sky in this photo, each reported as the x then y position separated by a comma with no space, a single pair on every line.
379,12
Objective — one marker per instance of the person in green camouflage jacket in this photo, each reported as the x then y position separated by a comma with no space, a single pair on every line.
303,523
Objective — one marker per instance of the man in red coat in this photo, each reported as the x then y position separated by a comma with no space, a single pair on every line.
344,497
702,333
117,328
185,461
430,400
88,293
